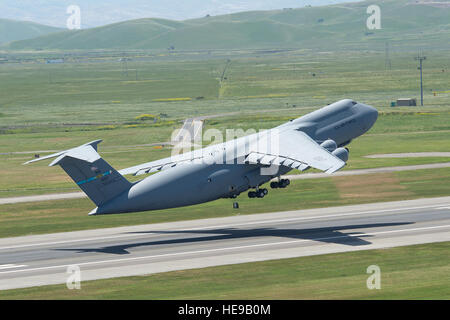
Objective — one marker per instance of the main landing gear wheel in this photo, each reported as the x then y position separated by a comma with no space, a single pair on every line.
283,183
286,182
260,193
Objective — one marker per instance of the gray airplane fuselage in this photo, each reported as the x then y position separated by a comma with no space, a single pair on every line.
195,183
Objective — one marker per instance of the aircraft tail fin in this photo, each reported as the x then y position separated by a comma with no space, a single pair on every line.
90,172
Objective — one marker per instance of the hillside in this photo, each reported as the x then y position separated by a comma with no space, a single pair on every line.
11,30
404,22
102,12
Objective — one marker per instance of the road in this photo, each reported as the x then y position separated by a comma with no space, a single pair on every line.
146,249
356,172
316,175
409,155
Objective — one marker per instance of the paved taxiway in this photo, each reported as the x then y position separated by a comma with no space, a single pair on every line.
145,249
409,155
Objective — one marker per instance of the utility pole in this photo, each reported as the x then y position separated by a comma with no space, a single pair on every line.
421,59
387,59
124,60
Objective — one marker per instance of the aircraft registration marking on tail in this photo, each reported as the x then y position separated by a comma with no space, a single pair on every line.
95,178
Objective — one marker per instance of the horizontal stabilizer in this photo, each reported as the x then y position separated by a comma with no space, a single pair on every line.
90,172
87,152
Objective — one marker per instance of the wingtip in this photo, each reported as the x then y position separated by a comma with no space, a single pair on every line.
335,168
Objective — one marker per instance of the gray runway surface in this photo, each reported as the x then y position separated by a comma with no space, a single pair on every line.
145,249
315,175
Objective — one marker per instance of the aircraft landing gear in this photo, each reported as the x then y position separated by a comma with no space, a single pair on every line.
260,193
283,183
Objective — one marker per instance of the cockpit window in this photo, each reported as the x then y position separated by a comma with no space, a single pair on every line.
354,102
337,117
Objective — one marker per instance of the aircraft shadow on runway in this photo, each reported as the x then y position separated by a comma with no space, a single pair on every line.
327,234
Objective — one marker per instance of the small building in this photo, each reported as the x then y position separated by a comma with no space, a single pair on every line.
51,61
406,102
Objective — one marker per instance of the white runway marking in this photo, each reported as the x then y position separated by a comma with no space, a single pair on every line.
69,241
228,248
10,266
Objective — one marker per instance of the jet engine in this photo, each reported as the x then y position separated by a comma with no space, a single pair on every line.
341,153
329,145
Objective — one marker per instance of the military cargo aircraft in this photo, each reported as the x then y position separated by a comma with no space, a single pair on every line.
223,170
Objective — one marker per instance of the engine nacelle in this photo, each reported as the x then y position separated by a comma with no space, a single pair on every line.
329,145
341,153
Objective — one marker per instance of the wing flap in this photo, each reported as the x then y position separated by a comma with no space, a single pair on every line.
298,151
299,146
160,165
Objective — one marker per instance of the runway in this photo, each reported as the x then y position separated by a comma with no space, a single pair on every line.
146,249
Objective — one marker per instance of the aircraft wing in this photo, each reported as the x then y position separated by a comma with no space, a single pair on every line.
161,164
298,151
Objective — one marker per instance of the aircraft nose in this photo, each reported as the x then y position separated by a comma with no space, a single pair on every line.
370,115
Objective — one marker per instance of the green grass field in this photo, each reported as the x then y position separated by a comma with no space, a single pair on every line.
41,96
410,272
